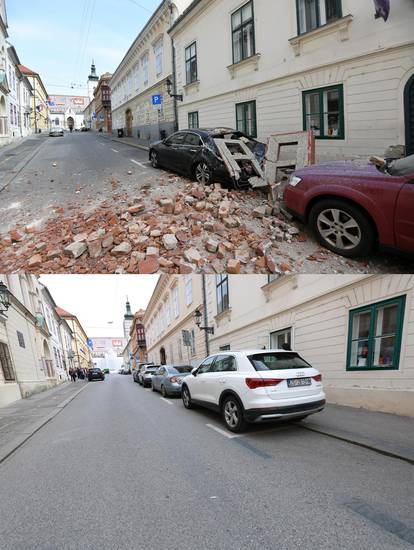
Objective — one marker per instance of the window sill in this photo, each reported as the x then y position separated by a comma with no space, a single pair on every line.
268,288
252,61
192,87
340,25
223,316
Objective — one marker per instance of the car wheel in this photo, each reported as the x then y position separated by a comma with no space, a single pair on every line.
154,159
202,173
164,392
342,227
186,397
232,412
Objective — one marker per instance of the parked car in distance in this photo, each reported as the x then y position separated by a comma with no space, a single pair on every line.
255,386
193,153
352,207
168,379
137,371
96,374
145,376
57,131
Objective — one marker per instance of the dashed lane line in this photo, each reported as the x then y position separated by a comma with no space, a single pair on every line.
166,401
136,162
222,432
114,150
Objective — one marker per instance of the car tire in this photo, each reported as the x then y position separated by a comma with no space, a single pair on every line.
233,414
164,392
203,173
186,397
154,159
327,220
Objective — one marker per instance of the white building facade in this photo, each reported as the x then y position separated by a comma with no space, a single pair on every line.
26,364
142,75
357,330
4,86
19,98
324,65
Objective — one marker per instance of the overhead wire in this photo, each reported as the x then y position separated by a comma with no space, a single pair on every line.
82,29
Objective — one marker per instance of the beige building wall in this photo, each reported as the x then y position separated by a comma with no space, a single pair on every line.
372,59
317,310
170,311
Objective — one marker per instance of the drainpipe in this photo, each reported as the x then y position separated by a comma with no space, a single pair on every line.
174,75
206,335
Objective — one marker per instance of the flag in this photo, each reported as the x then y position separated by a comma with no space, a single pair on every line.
382,9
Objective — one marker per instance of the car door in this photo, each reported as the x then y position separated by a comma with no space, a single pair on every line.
190,151
172,152
156,378
224,370
404,217
198,382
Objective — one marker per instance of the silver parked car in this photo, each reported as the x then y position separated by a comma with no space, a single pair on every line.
145,375
56,132
168,379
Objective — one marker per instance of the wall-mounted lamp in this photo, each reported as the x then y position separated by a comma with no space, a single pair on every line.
5,298
169,84
198,316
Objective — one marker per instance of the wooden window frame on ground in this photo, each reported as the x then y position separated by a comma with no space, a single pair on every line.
321,93
245,120
373,310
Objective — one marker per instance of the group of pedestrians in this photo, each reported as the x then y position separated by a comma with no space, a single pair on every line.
78,373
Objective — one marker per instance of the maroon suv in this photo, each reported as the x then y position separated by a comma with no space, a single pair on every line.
353,206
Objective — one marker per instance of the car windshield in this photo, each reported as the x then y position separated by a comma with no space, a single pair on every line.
277,361
150,371
181,370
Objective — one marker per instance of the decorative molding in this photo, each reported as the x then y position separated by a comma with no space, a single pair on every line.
192,87
341,26
252,62
224,316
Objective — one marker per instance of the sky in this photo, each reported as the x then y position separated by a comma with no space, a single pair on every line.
59,39
99,300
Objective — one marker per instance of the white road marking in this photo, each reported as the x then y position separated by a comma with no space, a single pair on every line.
5,426
166,401
114,150
136,162
222,432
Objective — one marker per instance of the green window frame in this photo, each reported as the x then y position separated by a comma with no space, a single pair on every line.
243,32
193,120
374,336
312,14
323,112
246,118
191,68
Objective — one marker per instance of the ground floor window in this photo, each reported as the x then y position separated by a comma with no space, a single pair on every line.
281,339
193,121
323,112
6,364
246,120
375,332
225,348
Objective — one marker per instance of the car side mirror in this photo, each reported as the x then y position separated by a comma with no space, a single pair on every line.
166,142
194,372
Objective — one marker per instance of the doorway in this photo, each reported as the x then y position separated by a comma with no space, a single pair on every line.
409,116
71,123
163,357
129,118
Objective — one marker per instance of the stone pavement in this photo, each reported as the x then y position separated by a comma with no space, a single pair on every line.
21,419
389,434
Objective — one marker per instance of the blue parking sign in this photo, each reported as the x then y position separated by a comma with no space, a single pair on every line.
157,99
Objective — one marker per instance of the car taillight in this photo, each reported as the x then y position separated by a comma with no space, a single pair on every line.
317,378
174,379
254,383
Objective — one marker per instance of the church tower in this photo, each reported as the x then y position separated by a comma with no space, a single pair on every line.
128,320
93,80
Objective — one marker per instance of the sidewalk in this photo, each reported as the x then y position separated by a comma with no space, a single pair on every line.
388,434
20,141
130,141
20,420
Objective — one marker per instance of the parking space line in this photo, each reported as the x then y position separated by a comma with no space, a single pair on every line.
222,432
136,162
114,150
166,401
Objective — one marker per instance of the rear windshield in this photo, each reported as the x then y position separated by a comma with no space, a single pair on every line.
181,370
278,361
150,371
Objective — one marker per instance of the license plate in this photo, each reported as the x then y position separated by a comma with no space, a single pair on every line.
297,382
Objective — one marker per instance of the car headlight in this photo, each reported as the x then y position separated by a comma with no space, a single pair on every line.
294,181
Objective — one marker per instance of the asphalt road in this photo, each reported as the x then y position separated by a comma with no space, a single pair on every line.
121,468
86,163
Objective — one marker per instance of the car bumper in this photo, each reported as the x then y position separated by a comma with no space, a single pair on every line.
291,411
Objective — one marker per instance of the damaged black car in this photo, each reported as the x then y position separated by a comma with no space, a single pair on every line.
194,153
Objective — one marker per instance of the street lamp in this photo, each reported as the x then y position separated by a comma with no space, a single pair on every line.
5,298
169,84
197,316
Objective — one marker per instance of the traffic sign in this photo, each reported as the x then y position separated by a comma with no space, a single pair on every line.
157,99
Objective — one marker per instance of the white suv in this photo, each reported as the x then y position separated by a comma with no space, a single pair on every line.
254,386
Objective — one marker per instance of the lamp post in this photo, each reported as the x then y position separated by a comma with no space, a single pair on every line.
5,298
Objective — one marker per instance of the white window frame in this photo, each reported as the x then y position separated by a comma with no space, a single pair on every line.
188,286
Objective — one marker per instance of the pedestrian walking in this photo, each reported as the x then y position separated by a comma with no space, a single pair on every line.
72,373
80,374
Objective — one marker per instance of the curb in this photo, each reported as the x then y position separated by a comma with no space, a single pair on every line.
136,145
359,444
22,165
12,447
